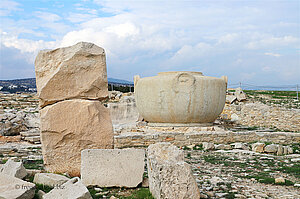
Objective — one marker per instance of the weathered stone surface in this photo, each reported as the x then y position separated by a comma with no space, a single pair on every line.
279,180
280,150
180,97
70,126
77,71
208,146
258,147
240,146
49,179
272,148
112,167
14,169
15,188
222,147
230,99
72,189
169,175
240,95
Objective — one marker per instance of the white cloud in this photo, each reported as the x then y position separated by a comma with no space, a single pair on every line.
273,54
7,6
47,16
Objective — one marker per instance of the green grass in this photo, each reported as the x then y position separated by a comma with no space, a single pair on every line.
142,193
35,164
294,170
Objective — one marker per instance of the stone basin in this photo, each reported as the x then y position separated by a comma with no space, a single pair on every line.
180,98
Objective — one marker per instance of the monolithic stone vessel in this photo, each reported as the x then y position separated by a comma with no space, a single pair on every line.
180,98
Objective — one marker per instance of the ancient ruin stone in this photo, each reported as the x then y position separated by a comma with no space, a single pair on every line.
258,147
12,187
14,169
70,126
77,71
169,175
112,167
72,189
240,95
49,179
272,148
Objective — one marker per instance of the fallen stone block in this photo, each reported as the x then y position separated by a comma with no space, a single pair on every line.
71,189
258,147
272,148
77,71
15,188
169,175
222,147
240,146
230,99
70,126
240,95
49,179
15,169
208,146
112,167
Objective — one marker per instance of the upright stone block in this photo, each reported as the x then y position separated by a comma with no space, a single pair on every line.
169,175
112,167
71,84
70,126
75,72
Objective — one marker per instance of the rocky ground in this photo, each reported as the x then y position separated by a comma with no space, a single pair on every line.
231,172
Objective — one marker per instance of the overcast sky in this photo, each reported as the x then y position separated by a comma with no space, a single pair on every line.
255,42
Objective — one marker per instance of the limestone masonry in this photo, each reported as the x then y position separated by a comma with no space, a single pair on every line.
71,82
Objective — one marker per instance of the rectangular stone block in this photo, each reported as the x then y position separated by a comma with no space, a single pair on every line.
112,167
70,126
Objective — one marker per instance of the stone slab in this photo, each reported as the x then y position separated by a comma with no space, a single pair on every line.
112,167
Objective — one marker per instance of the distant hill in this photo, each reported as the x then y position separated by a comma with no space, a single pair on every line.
29,85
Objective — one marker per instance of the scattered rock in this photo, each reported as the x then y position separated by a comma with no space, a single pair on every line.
279,180
40,194
208,146
295,159
112,167
50,179
234,117
71,189
12,187
240,146
169,175
272,148
258,147
145,182
230,99
14,169
222,147
280,150
240,95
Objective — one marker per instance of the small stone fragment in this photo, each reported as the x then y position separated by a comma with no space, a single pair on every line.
208,146
279,180
258,147
272,148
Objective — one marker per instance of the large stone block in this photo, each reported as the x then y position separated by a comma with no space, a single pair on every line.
73,189
112,168
70,126
169,175
15,188
77,71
